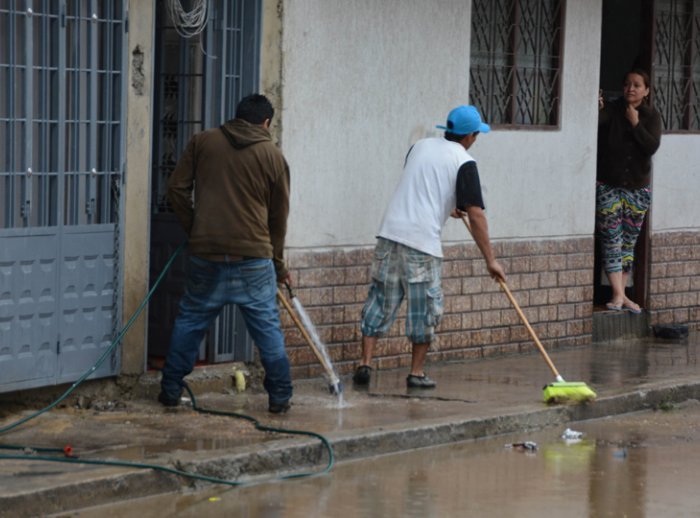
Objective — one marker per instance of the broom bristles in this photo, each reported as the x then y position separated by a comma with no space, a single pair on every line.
568,392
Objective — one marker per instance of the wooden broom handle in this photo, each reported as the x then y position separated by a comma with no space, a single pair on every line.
305,333
506,290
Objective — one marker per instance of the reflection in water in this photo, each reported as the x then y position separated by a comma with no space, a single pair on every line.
620,363
618,477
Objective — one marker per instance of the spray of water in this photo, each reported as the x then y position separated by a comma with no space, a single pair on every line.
311,329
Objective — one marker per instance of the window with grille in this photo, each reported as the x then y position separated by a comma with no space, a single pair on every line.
60,112
515,70
676,65
200,81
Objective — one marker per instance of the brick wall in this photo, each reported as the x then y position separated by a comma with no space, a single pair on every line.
674,280
551,280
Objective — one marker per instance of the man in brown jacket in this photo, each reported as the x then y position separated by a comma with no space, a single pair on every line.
230,191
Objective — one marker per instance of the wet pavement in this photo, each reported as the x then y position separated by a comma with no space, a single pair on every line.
473,400
638,465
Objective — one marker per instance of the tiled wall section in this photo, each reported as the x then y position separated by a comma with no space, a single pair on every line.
551,280
674,283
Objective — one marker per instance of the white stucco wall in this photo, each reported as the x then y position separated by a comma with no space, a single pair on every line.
676,184
542,183
364,79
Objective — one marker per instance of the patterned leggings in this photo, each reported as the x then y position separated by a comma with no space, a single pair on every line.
619,217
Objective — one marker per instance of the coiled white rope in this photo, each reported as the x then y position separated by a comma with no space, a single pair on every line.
189,24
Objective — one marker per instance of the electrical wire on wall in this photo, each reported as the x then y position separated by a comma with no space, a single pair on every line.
189,24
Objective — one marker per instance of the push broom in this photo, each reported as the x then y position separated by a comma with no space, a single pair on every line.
335,386
559,391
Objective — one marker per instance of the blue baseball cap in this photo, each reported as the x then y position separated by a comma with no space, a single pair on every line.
465,120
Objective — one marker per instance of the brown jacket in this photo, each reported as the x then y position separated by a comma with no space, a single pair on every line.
240,183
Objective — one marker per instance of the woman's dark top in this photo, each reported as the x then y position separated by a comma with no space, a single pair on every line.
624,152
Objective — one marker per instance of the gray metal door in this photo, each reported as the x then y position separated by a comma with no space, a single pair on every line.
61,155
199,82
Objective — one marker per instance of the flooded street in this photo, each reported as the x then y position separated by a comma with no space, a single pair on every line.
637,465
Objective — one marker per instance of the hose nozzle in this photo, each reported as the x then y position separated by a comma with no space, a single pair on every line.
289,290
336,387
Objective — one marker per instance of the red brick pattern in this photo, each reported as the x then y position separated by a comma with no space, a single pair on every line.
551,280
674,280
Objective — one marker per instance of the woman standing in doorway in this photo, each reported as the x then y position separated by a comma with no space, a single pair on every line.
629,133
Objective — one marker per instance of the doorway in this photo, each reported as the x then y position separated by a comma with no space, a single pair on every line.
199,81
626,42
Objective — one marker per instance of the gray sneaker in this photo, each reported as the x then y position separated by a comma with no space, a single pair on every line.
413,381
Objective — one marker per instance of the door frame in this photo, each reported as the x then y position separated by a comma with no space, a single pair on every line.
639,291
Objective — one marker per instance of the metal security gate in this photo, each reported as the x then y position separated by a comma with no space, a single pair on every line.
199,82
61,154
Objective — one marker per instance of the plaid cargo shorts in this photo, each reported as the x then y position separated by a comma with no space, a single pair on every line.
397,272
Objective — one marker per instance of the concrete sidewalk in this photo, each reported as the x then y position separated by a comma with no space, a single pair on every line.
473,399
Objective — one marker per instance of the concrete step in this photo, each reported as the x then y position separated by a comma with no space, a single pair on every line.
615,325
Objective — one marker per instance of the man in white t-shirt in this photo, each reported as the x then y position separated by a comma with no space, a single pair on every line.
440,179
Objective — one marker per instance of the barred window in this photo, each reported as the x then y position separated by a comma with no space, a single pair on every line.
515,65
61,114
676,65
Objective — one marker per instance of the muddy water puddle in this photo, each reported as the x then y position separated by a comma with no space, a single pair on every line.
638,465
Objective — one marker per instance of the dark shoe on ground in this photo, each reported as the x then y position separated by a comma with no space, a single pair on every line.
168,401
413,381
279,408
362,375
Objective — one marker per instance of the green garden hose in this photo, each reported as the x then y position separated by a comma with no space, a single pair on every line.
65,455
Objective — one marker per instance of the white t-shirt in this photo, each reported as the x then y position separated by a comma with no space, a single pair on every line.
425,196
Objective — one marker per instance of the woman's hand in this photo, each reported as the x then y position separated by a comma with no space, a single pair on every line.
632,115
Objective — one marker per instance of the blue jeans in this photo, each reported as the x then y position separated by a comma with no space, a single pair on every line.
252,285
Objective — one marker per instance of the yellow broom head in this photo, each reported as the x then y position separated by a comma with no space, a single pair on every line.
561,392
